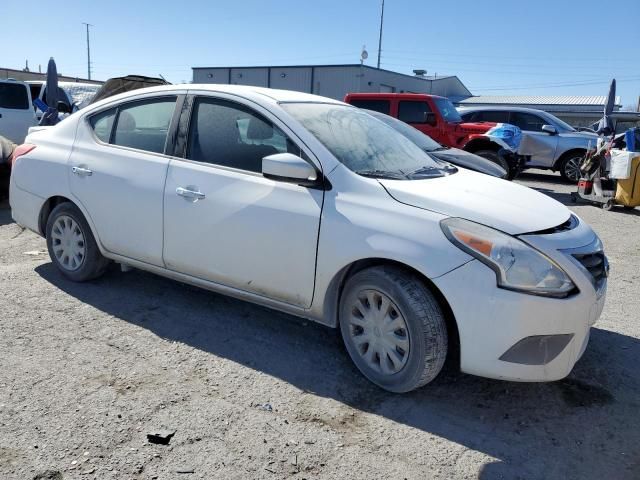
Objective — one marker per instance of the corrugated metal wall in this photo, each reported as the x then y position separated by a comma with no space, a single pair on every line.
333,81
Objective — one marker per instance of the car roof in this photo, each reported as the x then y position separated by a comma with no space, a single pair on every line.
258,93
501,109
400,96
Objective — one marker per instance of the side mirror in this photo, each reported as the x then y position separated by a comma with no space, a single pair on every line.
550,129
286,167
63,108
430,118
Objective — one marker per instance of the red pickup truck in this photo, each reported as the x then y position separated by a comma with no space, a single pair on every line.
436,117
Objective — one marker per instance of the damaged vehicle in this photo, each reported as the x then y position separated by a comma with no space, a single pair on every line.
313,207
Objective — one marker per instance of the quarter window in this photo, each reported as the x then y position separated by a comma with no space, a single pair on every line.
144,125
413,112
102,123
228,134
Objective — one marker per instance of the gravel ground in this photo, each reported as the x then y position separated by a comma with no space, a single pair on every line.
87,370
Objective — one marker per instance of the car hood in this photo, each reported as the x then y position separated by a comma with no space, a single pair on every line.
464,159
586,136
497,203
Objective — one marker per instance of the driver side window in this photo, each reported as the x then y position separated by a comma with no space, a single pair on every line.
229,134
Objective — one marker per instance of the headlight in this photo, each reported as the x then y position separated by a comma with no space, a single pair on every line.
517,265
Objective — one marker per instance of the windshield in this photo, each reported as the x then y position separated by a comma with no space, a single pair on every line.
360,142
425,142
447,110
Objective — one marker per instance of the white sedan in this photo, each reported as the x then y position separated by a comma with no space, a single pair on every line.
315,208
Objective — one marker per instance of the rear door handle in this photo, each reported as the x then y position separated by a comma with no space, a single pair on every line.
190,194
82,172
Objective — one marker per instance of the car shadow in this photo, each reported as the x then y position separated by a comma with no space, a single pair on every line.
5,213
574,428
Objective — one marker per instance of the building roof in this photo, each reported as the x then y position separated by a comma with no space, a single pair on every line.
22,75
555,100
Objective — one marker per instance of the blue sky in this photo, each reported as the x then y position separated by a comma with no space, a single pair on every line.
495,47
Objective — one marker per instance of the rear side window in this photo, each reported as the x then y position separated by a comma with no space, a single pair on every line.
14,96
102,123
144,125
495,117
413,112
382,106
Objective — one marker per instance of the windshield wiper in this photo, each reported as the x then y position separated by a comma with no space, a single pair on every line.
437,149
381,174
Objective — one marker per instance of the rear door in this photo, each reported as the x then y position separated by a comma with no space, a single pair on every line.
223,221
16,112
117,171
541,146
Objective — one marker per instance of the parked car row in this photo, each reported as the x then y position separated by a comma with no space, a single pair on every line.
558,146
322,210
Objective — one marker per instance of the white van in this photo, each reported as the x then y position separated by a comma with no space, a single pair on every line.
16,111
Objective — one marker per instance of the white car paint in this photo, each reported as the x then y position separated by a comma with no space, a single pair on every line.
287,246
15,121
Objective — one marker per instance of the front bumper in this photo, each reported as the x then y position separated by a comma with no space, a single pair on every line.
492,321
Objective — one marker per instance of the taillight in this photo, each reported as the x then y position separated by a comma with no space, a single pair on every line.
19,151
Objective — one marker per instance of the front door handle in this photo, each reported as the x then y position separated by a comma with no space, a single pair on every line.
190,193
82,172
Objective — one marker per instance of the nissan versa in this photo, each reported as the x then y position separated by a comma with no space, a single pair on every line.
313,207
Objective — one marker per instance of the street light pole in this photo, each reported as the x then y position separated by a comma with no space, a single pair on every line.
88,51
380,37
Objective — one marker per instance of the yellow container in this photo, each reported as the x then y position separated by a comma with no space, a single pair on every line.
628,190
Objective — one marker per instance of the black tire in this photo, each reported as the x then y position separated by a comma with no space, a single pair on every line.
574,197
425,324
92,263
567,170
493,156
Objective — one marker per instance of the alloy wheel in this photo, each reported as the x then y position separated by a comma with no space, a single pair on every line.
379,332
68,242
572,169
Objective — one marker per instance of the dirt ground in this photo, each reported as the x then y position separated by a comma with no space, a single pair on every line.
87,370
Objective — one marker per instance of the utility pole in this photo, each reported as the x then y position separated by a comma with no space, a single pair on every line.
380,37
88,51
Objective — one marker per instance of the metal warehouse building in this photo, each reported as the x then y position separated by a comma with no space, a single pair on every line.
333,81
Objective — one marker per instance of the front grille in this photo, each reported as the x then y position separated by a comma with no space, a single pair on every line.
595,263
570,224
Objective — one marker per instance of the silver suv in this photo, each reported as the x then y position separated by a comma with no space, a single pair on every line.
558,146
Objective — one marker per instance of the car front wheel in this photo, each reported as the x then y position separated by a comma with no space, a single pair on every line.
393,328
72,247
570,168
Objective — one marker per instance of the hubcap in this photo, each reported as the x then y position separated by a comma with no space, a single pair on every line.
379,332
68,243
572,169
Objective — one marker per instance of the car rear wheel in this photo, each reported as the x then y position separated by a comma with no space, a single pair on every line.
393,328
570,168
72,247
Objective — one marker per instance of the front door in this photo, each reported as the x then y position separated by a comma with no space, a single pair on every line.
540,145
226,223
117,172
419,114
